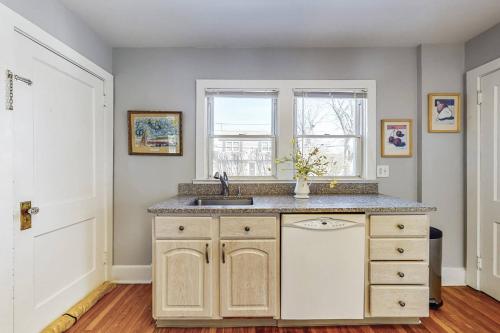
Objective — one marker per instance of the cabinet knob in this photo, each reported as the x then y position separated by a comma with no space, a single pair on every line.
181,228
401,274
401,250
247,228
402,304
401,226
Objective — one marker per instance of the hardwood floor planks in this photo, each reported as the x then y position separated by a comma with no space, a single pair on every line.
128,309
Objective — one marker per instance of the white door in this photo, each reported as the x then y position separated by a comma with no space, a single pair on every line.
490,185
59,167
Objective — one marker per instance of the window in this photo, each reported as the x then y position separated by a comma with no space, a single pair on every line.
243,125
241,132
332,121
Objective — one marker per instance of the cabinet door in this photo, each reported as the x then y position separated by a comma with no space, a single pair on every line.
248,278
183,279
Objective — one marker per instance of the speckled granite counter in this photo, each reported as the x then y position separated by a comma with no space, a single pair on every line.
333,203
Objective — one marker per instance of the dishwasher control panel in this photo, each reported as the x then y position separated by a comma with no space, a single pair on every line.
323,223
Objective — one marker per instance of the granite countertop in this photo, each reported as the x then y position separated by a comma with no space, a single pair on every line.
318,203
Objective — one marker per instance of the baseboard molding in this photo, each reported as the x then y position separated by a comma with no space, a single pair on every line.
453,276
131,274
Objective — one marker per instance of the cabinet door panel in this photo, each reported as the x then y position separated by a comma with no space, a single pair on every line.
183,279
248,278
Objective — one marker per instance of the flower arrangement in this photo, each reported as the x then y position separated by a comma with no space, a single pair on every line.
306,164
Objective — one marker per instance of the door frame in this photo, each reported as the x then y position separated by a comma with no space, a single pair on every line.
473,169
11,23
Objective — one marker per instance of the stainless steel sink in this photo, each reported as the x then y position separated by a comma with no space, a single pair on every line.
223,202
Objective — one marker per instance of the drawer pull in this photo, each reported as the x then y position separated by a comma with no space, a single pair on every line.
401,226
401,274
247,228
402,304
181,228
401,250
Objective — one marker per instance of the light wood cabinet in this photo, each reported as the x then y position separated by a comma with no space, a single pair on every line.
183,278
248,278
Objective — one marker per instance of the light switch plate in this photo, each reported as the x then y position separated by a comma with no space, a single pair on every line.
382,171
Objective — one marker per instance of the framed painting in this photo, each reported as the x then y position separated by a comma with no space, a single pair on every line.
444,113
155,133
397,138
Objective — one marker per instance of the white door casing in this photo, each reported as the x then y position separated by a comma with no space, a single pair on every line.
59,163
489,228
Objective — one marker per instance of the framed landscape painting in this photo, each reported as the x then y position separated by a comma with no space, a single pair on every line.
155,133
444,113
397,138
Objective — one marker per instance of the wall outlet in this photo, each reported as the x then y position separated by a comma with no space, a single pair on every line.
382,171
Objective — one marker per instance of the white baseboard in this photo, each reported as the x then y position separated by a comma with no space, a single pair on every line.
131,274
453,276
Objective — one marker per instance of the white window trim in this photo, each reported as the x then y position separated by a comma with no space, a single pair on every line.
285,121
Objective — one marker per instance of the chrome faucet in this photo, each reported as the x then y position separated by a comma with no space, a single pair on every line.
224,181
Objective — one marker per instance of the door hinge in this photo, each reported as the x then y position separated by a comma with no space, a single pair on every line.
479,97
105,258
479,263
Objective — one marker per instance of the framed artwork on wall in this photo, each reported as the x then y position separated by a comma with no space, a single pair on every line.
155,133
444,113
397,138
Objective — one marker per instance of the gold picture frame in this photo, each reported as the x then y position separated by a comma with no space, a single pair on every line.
396,138
444,113
155,133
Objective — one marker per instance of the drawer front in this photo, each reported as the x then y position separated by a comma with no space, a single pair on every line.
247,227
401,301
399,272
399,225
183,227
399,249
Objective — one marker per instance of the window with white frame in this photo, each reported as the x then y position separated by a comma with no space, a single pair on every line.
332,121
241,131
243,125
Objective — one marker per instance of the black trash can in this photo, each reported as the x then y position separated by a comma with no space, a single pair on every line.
435,258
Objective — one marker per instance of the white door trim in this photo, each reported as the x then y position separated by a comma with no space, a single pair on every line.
473,168
10,21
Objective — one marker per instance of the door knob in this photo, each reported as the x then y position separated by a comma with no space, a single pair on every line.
401,226
401,250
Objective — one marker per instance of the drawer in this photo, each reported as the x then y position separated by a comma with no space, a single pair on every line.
399,225
399,248
399,272
399,301
247,227
183,227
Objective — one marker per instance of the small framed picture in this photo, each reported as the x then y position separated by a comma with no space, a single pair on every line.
397,138
155,133
444,113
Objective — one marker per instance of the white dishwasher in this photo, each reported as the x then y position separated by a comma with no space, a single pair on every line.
322,266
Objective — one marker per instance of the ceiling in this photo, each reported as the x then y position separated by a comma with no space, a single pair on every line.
285,23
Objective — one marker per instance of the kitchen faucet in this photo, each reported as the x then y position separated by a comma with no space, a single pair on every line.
224,181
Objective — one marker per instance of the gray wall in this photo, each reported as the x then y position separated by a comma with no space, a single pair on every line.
483,48
54,18
164,79
441,180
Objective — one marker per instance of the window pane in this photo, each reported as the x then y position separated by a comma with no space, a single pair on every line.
343,151
242,157
242,115
320,115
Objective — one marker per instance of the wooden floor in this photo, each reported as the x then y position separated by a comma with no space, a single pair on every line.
128,309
